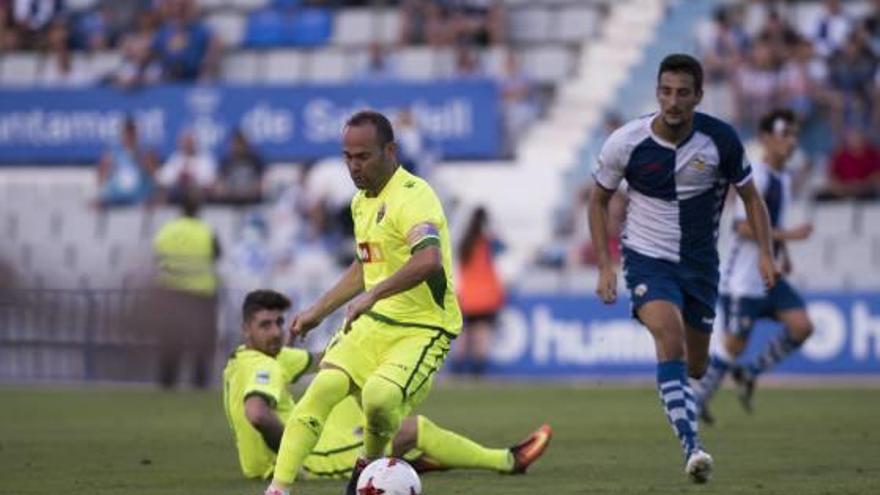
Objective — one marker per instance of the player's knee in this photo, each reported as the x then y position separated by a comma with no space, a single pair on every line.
801,332
734,346
382,402
696,369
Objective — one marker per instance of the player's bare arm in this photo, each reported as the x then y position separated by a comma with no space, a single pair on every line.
422,264
799,233
347,287
759,221
262,416
598,215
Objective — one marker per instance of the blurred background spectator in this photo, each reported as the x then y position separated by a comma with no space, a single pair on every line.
855,169
189,168
185,48
185,312
240,180
125,172
480,294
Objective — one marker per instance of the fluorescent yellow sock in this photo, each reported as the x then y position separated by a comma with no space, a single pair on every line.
383,410
452,450
304,427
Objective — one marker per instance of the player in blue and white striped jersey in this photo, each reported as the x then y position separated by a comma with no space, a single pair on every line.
677,164
743,298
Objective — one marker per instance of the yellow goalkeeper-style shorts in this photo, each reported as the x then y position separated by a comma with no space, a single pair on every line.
404,354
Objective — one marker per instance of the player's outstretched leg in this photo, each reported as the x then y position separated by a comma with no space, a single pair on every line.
304,427
797,330
705,388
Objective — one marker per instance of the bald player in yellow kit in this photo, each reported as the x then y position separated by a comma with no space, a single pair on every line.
257,402
402,312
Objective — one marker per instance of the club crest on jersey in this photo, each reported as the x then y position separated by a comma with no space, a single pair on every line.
262,377
641,290
381,213
699,163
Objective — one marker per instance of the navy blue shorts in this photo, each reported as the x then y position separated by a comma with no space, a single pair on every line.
741,313
695,292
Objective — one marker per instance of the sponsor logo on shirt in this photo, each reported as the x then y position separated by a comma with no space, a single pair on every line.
370,252
262,377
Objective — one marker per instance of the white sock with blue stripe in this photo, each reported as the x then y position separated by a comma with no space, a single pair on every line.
706,387
678,401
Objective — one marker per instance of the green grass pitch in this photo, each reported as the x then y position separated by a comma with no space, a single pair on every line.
608,440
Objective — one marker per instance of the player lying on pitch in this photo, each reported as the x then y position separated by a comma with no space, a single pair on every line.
257,403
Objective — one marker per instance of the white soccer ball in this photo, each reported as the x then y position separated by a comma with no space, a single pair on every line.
389,476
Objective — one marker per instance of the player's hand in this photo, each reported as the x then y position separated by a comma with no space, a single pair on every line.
768,271
801,232
606,289
303,322
358,306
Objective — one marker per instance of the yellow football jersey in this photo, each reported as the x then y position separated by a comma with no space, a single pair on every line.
404,217
249,372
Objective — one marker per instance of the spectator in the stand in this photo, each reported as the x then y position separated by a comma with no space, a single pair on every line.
854,172
724,47
138,67
412,151
803,89
831,29
871,27
61,69
379,66
757,84
187,169
480,22
125,171
32,17
779,35
184,46
480,294
10,38
105,27
518,101
240,180
426,22
186,251
851,74
467,63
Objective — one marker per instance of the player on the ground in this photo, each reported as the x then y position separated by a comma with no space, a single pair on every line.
257,402
743,297
677,164
402,311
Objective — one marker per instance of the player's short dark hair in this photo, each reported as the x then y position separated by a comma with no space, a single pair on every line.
682,62
384,131
768,123
263,299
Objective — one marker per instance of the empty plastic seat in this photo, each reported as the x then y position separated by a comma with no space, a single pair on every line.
834,220
248,4
283,66
389,26
310,27
19,69
328,66
354,27
575,24
416,64
265,28
242,67
870,220
531,24
274,28
103,63
548,64
228,27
